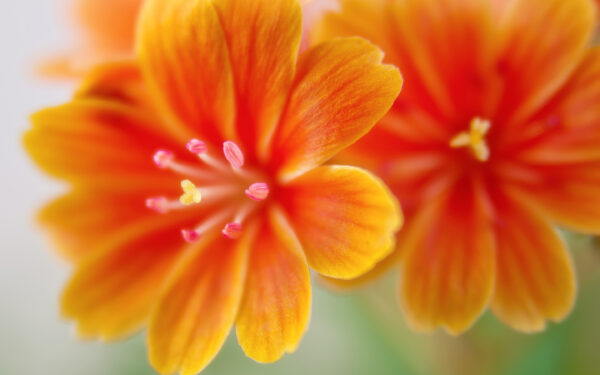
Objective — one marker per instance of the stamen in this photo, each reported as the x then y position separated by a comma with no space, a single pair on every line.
232,230
163,158
190,236
258,191
166,160
196,146
157,204
233,154
474,139
193,235
191,194
162,205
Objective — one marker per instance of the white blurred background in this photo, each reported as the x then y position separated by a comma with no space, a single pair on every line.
350,335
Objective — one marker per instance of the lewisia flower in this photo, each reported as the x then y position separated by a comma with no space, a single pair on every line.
106,32
202,204
495,138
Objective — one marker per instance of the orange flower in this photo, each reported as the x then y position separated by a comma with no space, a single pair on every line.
106,31
495,137
221,74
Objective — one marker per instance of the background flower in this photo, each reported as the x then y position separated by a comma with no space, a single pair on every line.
494,139
104,30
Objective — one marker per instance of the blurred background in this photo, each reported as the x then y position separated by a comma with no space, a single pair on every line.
349,334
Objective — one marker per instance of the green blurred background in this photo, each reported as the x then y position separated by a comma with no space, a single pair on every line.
362,333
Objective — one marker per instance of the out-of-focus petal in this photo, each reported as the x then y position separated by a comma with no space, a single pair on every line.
535,279
354,18
448,262
541,43
107,25
568,129
198,307
184,56
568,194
121,81
276,304
341,91
263,39
344,217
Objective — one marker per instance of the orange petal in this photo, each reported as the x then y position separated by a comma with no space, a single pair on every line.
183,54
112,290
61,66
312,11
448,266
121,81
263,39
108,25
542,42
568,194
340,92
568,129
191,321
276,305
535,276
415,35
112,141
380,269
355,18
82,220
344,217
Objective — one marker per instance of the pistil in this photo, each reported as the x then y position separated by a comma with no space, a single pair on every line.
474,139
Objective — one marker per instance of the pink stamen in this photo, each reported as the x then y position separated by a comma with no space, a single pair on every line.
232,230
158,204
258,191
196,146
233,154
163,205
190,236
162,158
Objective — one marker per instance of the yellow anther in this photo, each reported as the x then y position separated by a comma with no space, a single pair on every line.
474,139
191,194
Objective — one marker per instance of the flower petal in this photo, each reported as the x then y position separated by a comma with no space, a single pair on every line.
197,309
568,194
108,25
535,275
448,266
263,39
184,57
568,129
102,133
381,268
121,81
113,289
341,91
344,217
542,42
83,219
354,19
275,309
416,36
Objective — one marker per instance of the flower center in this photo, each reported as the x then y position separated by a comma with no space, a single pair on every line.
234,181
474,139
